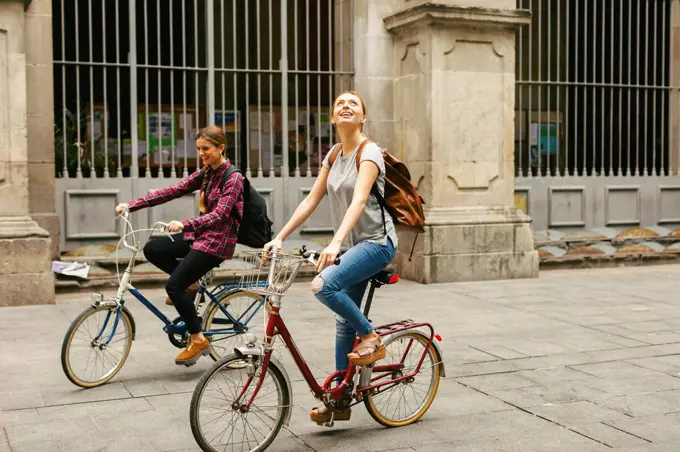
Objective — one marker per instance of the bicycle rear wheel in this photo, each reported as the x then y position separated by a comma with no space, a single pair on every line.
96,345
403,403
218,414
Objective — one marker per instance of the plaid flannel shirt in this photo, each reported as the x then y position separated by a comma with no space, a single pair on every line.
215,231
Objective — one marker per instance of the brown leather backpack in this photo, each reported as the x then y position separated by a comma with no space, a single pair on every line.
402,200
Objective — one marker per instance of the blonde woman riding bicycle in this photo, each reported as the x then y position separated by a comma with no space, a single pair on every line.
360,226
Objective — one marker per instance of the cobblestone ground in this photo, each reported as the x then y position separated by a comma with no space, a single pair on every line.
580,360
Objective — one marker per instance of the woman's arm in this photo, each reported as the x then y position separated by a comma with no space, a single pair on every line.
187,185
228,198
307,206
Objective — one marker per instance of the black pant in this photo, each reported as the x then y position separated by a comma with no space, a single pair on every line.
164,254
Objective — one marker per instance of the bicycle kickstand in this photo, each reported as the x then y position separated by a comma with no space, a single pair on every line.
332,421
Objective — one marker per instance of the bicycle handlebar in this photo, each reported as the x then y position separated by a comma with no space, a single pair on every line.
314,255
125,215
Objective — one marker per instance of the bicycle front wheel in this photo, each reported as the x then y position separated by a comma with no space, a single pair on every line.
237,313
221,418
96,345
404,402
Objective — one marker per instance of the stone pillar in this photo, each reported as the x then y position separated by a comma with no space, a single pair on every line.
454,88
40,119
25,276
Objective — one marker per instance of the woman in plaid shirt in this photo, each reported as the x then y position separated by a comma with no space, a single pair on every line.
201,242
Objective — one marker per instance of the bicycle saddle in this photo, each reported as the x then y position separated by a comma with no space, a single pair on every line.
386,277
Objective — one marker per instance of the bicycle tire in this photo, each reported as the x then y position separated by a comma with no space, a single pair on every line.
212,309
66,363
434,360
199,390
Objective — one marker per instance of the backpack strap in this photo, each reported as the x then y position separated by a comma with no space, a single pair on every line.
225,177
334,153
374,188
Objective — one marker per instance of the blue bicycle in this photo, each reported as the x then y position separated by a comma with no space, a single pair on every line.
99,340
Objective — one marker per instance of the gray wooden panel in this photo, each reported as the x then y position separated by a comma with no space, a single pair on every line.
622,205
567,206
669,204
88,214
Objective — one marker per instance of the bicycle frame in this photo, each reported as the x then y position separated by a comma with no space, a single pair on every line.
277,327
180,328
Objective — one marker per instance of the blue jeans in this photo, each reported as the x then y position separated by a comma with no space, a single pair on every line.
343,290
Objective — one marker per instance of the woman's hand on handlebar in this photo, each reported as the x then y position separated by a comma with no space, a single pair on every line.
328,256
122,208
277,243
175,226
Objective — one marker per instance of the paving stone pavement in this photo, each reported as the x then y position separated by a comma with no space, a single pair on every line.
578,360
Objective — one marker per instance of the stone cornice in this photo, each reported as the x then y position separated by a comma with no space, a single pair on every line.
432,13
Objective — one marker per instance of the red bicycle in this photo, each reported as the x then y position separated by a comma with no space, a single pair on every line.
244,399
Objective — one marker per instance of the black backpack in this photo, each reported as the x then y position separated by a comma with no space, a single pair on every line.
255,228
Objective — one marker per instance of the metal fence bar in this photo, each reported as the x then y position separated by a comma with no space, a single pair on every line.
259,88
159,149
538,87
239,116
308,171
210,60
223,105
630,71
318,77
657,170
247,112
79,171
531,105
621,91
309,122
106,104
568,80
132,58
331,63
644,147
185,102
603,91
93,172
284,90
611,95
197,125
64,170
147,172
173,150
271,104
518,78
559,131
594,98
663,104
548,167
119,170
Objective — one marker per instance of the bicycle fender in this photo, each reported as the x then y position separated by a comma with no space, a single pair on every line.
132,322
245,350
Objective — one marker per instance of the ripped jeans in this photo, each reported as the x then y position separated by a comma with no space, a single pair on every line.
343,290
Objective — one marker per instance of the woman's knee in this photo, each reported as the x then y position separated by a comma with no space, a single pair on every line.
317,284
152,250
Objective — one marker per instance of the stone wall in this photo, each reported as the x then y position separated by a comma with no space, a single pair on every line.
25,247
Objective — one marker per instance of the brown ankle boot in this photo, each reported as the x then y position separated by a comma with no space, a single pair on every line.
191,290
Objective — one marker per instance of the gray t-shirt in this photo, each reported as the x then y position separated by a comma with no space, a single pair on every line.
340,186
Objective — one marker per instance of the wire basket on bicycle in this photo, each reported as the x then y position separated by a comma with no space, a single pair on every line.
277,268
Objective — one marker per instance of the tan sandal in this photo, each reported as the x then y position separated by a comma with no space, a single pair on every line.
322,415
368,352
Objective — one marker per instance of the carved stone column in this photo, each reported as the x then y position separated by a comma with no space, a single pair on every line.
454,85
25,248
